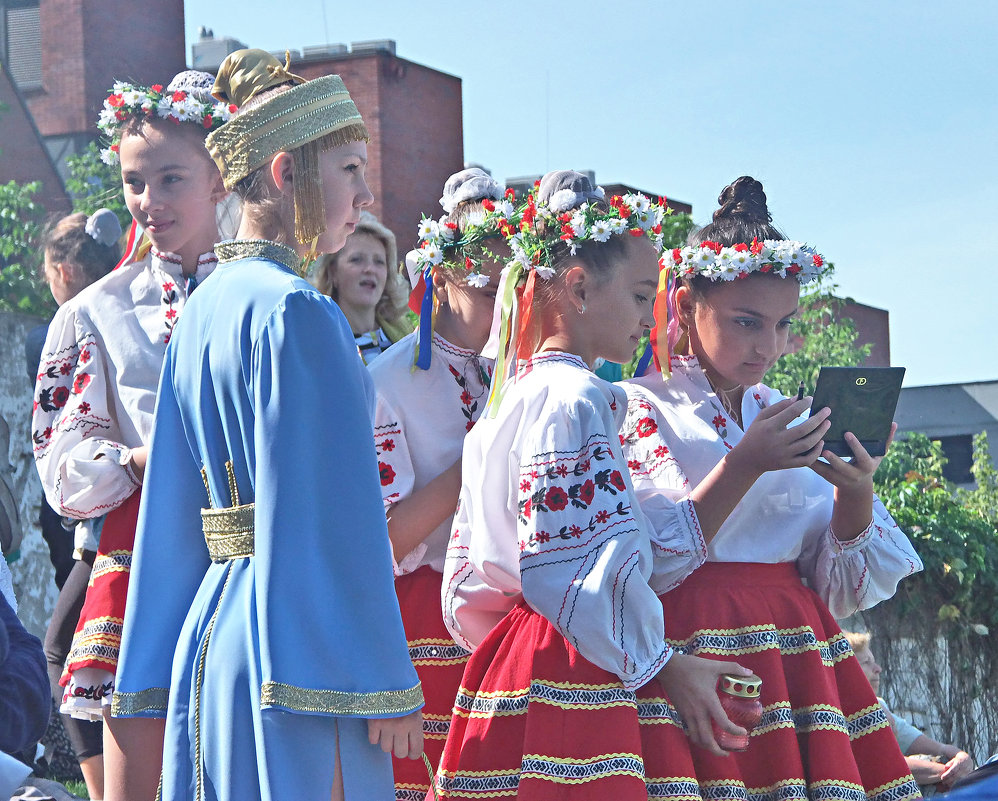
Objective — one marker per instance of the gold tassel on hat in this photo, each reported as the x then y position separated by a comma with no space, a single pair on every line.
310,210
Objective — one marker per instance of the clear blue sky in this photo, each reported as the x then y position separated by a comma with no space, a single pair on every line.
872,125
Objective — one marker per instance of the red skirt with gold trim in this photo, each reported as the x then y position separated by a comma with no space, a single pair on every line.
535,720
93,656
439,663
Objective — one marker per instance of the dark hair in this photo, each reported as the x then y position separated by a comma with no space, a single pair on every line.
67,241
741,217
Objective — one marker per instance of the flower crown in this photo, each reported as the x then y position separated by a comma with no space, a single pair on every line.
774,256
127,100
442,243
633,214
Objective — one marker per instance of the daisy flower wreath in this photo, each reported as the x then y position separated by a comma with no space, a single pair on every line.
774,256
127,100
442,243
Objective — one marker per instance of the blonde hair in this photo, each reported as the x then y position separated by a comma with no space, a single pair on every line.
858,640
392,304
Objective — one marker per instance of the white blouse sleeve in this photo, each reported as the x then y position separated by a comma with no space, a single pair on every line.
84,471
396,471
585,558
859,573
663,493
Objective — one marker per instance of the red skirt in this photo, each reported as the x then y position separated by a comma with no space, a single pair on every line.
535,720
97,641
439,663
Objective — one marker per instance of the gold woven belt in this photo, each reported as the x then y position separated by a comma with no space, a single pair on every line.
229,532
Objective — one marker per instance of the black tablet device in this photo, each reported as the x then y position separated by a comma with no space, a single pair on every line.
862,400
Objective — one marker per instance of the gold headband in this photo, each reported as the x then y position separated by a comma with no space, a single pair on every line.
292,121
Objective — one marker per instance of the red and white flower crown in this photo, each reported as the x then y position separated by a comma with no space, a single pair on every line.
127,100
633,214
774,256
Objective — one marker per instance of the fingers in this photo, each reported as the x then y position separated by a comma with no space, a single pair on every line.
786,411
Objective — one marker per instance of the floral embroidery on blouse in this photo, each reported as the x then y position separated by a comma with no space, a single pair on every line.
384,443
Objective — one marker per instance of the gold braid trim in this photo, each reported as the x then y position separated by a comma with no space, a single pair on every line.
334,702
258,249
229,533
125,705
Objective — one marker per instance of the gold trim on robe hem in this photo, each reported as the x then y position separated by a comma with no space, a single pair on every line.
229,532
155,699
334,702
258,249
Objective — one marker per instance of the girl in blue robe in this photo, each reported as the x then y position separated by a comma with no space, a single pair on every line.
265,627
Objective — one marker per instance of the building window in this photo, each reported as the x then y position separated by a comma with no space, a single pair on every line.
959,451
22,42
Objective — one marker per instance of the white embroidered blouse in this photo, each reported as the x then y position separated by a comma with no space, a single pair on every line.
547,514
97,382
420,422
676,431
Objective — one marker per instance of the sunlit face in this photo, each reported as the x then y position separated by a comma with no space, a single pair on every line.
171,187
740,328
870,668
621,310
360,271
344,192
468,308
55,276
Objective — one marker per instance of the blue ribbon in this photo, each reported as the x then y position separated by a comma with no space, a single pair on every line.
425,346
644,361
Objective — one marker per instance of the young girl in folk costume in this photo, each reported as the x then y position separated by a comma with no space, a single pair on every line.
97,379
432,387
547,571
78,250
274,648
822,733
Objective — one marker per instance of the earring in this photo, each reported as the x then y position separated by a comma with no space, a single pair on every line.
582,309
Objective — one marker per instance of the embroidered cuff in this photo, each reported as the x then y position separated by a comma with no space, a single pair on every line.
149,703
651,670
384,704
856,543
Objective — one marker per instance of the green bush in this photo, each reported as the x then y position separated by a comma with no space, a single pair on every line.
21,287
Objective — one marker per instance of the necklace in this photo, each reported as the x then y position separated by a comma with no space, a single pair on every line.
731,405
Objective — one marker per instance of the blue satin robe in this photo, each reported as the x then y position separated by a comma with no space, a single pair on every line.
304,639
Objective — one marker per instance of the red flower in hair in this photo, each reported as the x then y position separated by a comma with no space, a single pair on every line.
510,193
636,232
566,217
116,101
537,184
624,211
233,108
756,246
766,268
793,269
677,256
179,97
157,87
656,229
741,247
663,201
119,115
451,225
818,261
715,246
488,205
208,121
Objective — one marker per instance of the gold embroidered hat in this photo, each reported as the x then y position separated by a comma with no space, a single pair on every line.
310,117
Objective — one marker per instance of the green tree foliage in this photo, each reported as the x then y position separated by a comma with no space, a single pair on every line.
94,185
825,339
953,532
20,258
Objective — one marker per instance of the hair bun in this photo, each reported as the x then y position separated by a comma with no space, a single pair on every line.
104,227
470,184
743,198
562,190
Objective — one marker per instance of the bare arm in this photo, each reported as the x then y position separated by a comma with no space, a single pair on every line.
415,517
133,757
